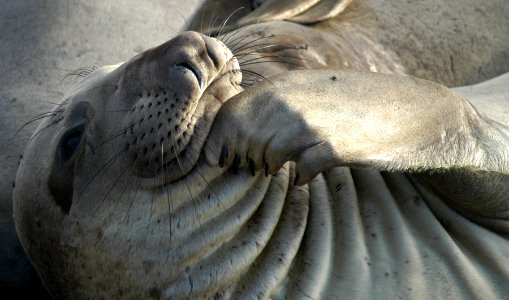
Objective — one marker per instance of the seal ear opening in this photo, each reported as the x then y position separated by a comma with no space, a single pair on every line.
61,179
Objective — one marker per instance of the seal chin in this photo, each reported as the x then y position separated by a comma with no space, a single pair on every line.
167,125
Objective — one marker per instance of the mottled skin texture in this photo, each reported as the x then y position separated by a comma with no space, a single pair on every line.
166,179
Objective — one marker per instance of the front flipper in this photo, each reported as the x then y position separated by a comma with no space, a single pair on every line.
323,119
308,11
215,16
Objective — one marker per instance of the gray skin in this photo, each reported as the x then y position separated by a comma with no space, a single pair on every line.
41,42
191,229
454,43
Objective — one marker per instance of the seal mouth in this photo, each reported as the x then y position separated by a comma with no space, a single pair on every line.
186,66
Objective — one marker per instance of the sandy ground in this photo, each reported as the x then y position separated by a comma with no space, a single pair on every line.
40,42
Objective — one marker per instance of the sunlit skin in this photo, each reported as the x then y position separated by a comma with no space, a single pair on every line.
222,168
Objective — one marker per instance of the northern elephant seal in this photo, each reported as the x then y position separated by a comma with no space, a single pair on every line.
109,220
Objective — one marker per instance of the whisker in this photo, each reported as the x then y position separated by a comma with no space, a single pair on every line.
107,164
114,136
151,205
227,19
188,188
212,23
110,189
40,131
276,61
185,20
124,220
81,72
147,167
273,56
263,46
48,102
45,114
235,49
202,16
254,74
37,118
170,210
241,38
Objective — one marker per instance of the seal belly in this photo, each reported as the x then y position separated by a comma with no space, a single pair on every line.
392,238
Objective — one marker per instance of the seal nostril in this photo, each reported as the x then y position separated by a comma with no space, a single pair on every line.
196,72
213,56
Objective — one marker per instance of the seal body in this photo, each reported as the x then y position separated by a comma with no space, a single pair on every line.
168,180
384,36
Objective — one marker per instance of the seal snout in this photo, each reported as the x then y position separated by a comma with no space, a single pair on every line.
161,124
174,106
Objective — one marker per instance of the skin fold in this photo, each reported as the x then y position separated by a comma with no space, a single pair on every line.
299,154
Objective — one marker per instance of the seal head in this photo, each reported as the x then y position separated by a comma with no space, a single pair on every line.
116,141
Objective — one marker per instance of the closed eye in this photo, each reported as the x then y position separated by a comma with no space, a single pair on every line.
71,140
